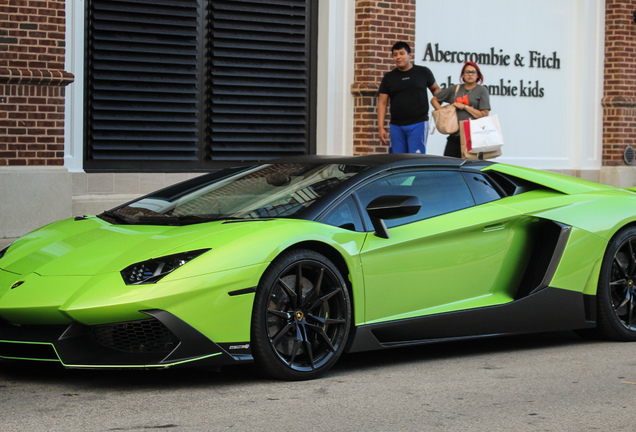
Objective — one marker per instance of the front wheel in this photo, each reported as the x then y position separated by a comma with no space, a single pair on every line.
616,294
301,317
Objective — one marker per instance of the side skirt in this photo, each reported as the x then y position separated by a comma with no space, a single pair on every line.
550,309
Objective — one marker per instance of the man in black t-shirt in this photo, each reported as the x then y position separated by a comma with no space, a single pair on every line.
406,87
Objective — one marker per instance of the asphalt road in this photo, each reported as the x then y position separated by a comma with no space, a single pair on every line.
553,382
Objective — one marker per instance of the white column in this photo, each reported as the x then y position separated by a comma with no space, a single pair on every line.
334,116
74,103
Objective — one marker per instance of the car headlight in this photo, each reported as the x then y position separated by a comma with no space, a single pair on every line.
152,270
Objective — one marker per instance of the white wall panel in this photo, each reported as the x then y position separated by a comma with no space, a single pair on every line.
552,77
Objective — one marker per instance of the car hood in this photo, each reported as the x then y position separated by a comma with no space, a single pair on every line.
91,246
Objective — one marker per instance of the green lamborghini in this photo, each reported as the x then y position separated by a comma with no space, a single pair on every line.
289,264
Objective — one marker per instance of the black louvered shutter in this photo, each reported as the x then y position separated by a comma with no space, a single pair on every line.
259,92
142,83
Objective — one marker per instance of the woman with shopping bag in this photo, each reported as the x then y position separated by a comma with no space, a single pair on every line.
471,100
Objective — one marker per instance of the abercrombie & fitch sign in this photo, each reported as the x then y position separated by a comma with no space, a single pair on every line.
531,60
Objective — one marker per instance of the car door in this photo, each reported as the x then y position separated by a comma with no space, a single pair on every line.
453,254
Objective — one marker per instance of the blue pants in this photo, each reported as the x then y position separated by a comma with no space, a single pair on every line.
409,139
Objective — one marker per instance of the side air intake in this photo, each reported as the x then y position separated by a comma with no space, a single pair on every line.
547,246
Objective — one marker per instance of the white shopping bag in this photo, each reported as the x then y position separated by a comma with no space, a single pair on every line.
485,135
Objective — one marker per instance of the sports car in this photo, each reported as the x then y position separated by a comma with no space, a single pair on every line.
291,263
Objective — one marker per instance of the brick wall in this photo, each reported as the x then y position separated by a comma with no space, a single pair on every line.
32,76
379,24
32,81
619,101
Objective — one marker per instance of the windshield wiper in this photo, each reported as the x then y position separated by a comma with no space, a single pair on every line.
175,220
117,217
232,219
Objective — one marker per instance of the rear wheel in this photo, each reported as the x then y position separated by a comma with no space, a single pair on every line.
301,317
616,295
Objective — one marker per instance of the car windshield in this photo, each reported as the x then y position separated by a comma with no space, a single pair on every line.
257,192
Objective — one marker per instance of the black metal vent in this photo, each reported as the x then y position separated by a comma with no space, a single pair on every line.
144,336
259,79
142,80
180,85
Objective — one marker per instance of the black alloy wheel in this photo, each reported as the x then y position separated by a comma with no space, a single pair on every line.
616,293
301,317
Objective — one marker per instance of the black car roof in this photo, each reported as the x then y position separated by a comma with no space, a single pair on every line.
390,160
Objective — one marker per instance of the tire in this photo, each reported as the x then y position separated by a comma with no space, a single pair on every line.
616,294
301,317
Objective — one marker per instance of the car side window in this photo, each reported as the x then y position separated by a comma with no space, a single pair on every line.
440,192
344,215
483,190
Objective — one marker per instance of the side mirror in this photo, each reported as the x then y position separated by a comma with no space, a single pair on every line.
391,207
